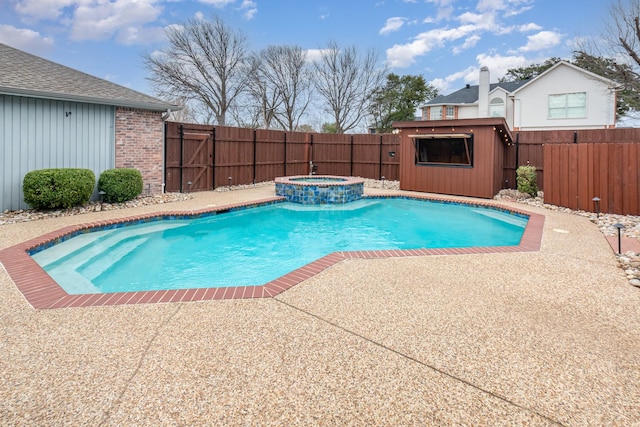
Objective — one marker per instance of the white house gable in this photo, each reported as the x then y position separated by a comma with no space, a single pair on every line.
565,97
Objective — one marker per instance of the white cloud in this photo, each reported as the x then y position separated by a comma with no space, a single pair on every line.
514,12
446,85
541,40
468,44
43,9
250,14
529,27
444,10
488,17
313,55
404,55
508,8
393,24
499,65
25,39
122,18
144,35
217,3
471,18
199,16
250,9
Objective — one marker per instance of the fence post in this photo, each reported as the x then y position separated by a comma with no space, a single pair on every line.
213,158
310,161
285,154
254,156
351,163
380,157
181,129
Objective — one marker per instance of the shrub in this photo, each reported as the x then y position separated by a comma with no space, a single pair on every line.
120,185
58,188
526,179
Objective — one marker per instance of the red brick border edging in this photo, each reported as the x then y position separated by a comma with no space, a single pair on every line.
42,292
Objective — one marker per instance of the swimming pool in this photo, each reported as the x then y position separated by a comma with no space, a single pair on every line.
251,247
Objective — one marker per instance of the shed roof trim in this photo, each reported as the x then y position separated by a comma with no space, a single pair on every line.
440,135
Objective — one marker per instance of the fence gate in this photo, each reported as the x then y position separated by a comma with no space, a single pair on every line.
189,157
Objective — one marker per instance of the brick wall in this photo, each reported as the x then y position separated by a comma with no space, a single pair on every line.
139,145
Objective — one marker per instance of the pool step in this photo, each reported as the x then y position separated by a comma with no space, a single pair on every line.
94,243
80,280
92,270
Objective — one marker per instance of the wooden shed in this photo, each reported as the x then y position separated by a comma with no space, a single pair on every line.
459,157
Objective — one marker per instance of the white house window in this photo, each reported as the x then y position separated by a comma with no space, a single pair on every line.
451,112
436,113
496,107
568,105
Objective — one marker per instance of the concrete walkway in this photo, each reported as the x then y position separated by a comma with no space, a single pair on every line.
533,338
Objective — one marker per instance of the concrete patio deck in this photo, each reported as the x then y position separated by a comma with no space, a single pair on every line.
532,338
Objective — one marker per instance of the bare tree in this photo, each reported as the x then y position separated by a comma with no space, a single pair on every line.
263,97
287,71
623,29
617,56
205,63
280,85
344,78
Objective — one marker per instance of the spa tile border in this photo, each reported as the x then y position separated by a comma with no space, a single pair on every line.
42,292
342,190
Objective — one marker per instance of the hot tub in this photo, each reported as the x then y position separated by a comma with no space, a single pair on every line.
319,189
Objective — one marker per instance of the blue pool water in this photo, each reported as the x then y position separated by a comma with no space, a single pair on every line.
256,245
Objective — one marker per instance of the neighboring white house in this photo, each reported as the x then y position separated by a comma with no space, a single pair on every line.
563,97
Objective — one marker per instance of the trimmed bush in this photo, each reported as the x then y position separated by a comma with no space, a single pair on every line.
120,185
58,188
526,179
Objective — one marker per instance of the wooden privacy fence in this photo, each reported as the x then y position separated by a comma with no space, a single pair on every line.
576,173
202,157
529,145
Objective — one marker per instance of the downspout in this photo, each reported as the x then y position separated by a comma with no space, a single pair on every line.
164,117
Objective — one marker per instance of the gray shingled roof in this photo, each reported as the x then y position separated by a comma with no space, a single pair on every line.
24,74
469,95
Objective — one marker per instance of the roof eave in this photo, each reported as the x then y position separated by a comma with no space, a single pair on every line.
89,100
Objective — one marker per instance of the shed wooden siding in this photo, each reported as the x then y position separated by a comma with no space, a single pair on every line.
576,173
483,179
40,134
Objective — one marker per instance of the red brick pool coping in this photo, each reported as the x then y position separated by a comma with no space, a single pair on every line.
42,292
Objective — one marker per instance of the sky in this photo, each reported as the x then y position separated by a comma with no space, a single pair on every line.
445,41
